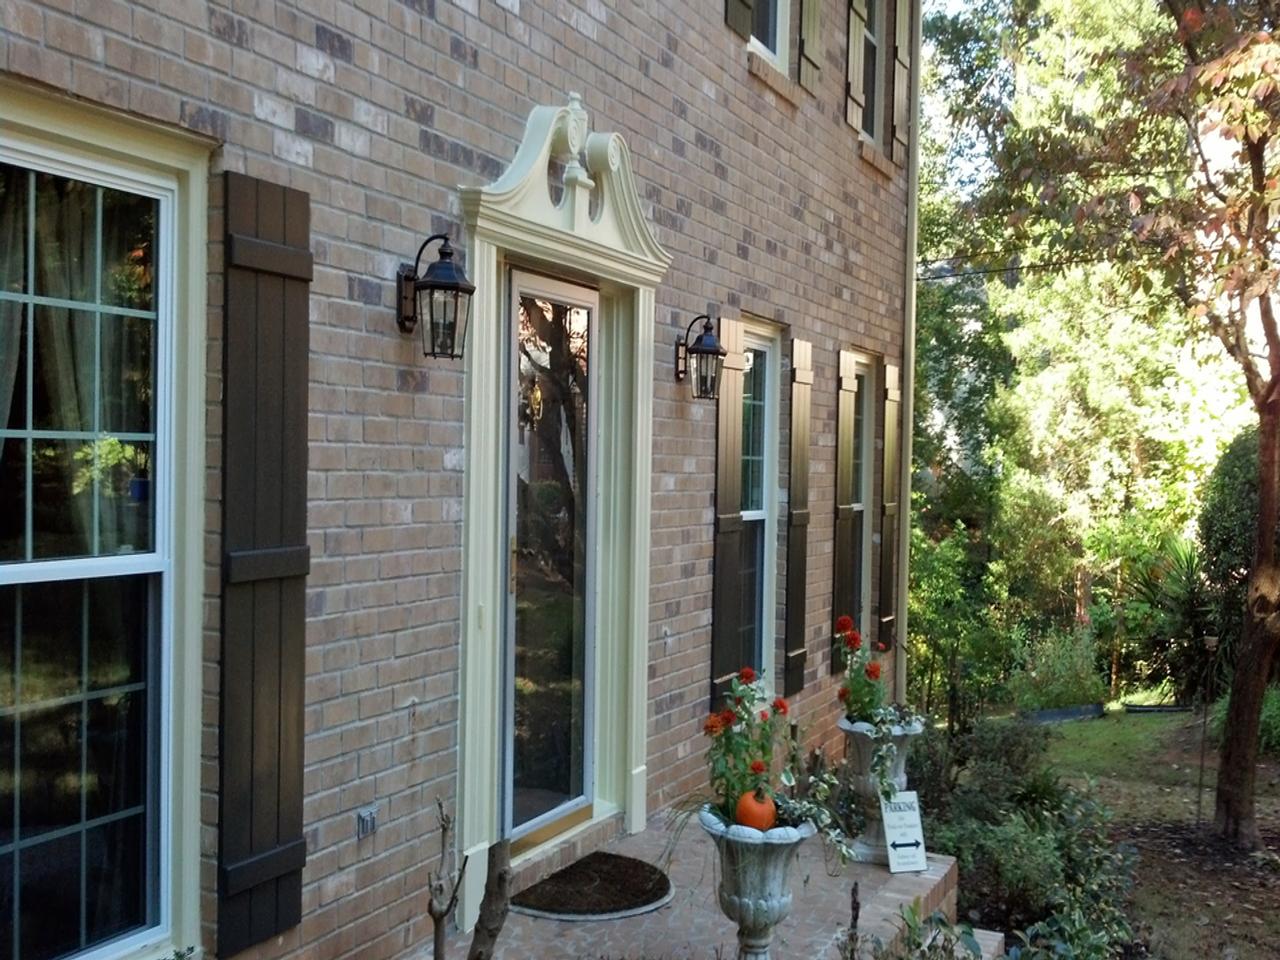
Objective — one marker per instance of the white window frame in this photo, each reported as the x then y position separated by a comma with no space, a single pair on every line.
758,335
873,31
865,369
55,135
781,58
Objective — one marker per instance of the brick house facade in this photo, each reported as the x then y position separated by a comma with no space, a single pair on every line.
754,171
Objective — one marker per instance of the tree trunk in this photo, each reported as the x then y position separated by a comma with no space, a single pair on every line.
495,904
1235,815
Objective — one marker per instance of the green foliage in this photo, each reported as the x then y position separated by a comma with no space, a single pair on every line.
1033,852
1061,670
1227,529
922,938
1175,596
1269,726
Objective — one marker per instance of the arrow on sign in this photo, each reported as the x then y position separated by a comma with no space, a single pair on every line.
904,846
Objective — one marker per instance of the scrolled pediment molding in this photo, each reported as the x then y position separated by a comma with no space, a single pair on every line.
517,210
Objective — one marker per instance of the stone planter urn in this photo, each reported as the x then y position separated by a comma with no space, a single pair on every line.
755,878
869,847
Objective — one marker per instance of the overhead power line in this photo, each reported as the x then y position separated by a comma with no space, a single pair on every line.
1022,268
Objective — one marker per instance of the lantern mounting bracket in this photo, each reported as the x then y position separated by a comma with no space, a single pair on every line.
406,276
682,347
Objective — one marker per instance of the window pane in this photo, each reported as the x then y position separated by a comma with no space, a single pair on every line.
870,85
125,505
7,793
127,377
8,652
66,237
49,894
52,631
118,616
49,754
859,436
6,906
13,365
115,878
753,409
62,476
128,245
765,23
13,499
751,589
13,229
64,374
115,754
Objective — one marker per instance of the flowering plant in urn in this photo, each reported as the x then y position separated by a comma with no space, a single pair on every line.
862,696
740,758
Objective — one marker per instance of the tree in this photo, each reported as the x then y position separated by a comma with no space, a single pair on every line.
1152,144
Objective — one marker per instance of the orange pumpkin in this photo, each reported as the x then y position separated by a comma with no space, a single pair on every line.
756,809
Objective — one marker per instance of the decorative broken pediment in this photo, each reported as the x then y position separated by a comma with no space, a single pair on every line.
597,214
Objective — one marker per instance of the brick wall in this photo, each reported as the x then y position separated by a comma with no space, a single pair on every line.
379,109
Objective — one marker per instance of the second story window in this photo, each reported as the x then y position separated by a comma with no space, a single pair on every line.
765,25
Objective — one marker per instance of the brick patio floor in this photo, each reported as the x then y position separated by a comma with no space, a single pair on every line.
691,926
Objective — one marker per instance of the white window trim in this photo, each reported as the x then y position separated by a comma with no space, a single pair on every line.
758,335
52,133
781,60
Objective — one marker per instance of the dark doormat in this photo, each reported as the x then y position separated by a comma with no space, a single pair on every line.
600,886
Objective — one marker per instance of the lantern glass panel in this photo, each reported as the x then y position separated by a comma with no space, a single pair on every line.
706,379
444,321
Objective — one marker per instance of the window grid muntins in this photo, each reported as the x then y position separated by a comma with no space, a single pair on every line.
755,397
77,368
860,461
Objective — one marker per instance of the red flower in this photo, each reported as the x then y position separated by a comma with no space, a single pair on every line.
843,694
873,670
713,725
757,766
853,640
780,706
747,675
882,647
844,624
726,718
764,714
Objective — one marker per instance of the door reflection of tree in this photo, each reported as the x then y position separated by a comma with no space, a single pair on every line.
551,547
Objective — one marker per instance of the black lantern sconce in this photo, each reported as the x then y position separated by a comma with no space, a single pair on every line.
439,301
704,359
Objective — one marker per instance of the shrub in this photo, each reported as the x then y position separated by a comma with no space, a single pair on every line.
1010,872
1269,726
1060,671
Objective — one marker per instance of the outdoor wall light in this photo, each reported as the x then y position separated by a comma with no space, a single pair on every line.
439,301
706,357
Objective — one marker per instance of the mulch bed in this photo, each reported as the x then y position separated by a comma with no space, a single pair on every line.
599,883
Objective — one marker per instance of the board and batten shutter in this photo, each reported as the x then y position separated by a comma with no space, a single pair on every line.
727,653
890,485
845,574
810,44
798,517
902,80
261,849
739,14
854,95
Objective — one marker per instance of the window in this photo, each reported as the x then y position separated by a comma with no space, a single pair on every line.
758,562
872,68
84,567
769,34
862,459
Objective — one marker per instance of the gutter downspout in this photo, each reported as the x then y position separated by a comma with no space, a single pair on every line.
908,357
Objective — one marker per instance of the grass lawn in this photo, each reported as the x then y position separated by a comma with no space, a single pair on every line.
1196,898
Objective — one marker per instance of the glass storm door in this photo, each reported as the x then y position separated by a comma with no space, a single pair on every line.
550,576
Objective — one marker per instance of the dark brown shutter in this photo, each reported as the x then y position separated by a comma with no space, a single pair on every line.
727,653
845,574
810,44
738,14
854,95
261,850
798,517
891,485
902,80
